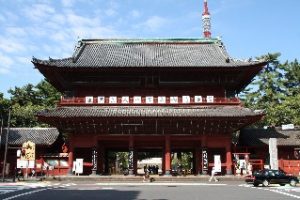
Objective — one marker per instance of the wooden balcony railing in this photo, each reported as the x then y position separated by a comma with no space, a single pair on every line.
94,101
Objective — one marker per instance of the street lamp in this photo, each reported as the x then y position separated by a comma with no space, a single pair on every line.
6,145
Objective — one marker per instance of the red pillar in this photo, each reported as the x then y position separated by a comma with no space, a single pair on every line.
167,155
70,160
228,159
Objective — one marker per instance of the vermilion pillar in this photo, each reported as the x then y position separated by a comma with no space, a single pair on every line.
167,155
70,160
228,159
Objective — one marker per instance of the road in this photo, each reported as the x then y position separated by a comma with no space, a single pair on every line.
146,191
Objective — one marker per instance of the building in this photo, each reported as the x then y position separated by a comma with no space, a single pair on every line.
47,140
150,95
256,142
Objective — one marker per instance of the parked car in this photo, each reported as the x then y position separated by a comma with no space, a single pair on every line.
268,176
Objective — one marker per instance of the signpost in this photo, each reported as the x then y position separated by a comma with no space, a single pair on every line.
273,153
217,163
79,166
204,161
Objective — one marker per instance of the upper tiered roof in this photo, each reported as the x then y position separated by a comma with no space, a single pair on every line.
103,53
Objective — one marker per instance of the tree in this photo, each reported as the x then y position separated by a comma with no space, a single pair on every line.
26,101
266,91
292,78
276,90
4,106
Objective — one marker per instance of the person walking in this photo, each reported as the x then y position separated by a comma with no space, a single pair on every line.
213,173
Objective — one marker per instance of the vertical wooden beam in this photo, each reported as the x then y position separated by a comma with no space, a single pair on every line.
228,158
167,155
71,154
101,158
131,156
198,160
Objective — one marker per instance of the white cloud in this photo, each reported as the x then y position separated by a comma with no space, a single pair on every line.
39,12
78,20
2,18
11,45
23,60
154,22
135,13
6,63
68,3
10,17
15,31
110,12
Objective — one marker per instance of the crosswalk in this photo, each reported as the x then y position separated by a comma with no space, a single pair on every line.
10,188
283,190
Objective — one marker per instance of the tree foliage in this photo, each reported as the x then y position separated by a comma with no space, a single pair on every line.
276,91
26,101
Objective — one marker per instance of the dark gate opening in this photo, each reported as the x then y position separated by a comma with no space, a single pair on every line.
149,160
182,162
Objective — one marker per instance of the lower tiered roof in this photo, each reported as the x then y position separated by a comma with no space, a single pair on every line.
149,111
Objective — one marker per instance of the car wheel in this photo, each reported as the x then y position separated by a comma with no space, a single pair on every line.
255,184
293,182
265,183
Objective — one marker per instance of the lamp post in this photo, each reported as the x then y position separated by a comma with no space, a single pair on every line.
6,145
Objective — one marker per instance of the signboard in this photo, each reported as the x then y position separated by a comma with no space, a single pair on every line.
23,164
217,163
79,166
287,126
273,153
28,151
204,161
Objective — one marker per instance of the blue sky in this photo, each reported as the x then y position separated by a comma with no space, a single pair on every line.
44,28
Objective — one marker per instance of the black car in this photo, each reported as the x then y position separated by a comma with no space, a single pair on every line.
269,176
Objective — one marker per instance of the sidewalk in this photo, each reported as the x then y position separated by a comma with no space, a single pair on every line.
157,178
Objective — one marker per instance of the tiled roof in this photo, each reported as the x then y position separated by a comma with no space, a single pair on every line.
148,53
40,136
148,111
260,137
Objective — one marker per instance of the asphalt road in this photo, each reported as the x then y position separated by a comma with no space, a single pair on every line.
150,191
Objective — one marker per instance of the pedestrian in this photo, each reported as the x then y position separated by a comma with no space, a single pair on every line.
146,177
213,173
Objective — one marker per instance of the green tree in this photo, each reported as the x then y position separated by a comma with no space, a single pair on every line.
26,101
276,90
4,106
292,78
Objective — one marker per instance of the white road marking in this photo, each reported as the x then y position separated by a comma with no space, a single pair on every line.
171,184
276,189
24,194
107,188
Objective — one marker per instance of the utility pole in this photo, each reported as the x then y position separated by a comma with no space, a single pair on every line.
1,129
6,145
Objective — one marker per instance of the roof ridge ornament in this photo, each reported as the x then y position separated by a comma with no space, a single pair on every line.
206,21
